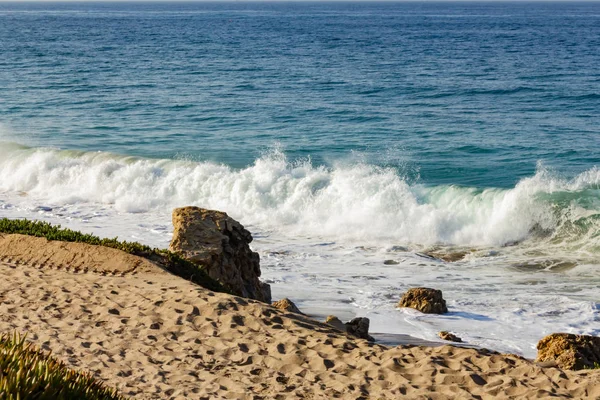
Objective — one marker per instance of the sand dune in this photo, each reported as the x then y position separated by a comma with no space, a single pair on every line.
78,257
156,336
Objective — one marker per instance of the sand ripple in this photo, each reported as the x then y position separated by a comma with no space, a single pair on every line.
156,336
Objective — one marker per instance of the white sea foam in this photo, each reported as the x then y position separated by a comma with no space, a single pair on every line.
324,234
358,202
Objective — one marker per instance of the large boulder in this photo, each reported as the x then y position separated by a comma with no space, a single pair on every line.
426,300
219,243
569,351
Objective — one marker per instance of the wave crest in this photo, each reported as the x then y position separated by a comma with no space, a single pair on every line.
347,201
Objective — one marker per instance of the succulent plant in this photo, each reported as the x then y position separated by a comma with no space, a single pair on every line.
26,373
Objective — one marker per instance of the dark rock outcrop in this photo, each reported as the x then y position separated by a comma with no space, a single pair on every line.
358,327
569,351
426,300
219,243
286,304
265,289
445,335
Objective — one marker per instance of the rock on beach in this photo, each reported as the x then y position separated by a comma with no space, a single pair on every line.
569,351
221,244
426,300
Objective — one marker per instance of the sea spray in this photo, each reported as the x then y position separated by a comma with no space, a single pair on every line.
356,202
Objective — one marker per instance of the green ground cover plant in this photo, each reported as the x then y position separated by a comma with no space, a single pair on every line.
27,373
596,366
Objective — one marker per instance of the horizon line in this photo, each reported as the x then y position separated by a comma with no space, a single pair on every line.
298,1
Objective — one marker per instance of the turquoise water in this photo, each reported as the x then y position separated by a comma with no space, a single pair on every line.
342,134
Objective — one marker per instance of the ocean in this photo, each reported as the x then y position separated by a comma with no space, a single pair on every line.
361,143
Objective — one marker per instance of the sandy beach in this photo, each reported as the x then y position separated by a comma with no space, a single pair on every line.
156,336
299,199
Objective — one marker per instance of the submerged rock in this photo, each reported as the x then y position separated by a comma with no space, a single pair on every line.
447,254
286,304
445,335
450,256
570,351
556,265
426,300
219,243
358,327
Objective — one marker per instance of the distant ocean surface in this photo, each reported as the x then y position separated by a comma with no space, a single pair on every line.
355,141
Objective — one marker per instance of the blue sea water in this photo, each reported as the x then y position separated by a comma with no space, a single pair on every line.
463,93
342,134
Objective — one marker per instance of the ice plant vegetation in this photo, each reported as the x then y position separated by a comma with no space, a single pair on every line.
26,373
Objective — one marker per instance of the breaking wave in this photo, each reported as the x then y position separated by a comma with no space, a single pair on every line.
346,201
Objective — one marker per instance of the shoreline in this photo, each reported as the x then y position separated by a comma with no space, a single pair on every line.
332,292
154,335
